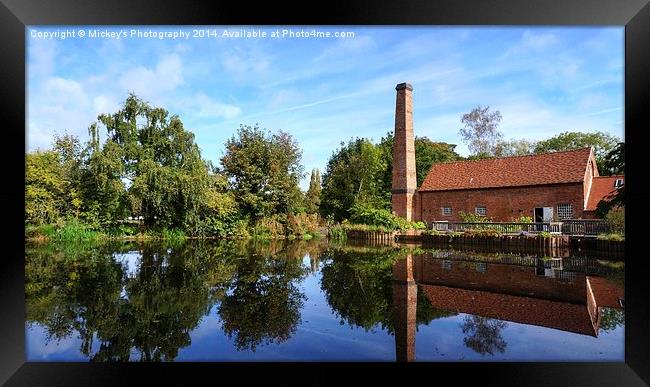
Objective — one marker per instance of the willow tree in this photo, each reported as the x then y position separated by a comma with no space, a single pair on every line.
157,159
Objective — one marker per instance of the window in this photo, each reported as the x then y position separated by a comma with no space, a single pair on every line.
565,211
446,264
480,211
618,183
446,211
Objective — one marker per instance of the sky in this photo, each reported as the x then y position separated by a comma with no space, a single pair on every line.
325,90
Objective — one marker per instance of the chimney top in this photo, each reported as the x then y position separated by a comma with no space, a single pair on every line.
404,86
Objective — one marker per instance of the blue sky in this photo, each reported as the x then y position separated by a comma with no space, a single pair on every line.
326,90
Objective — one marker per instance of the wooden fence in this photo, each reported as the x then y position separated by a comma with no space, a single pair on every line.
567,227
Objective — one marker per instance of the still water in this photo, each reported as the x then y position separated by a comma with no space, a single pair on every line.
311,301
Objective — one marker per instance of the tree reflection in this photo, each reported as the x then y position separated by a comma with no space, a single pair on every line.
70,287
483,334
358,285
263,303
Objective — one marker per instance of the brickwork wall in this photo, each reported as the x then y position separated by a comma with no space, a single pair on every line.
503,204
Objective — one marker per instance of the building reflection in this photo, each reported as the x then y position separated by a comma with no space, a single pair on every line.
559,296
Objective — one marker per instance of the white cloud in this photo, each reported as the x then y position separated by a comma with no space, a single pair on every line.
150,83
245,64
208,107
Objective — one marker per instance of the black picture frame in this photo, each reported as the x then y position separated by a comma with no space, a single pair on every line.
16,14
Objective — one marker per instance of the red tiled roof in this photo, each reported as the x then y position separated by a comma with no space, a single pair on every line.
547,168
601,187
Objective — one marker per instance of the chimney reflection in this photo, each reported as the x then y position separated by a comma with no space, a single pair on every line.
405,292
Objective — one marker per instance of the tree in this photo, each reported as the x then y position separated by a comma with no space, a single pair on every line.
427,153
480,131
263,170
484,334
313,193
602,142
354,175
44,187
614,163
514,148
159,160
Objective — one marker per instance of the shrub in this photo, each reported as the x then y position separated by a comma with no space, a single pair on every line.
545,234
611,237
615,220
382,218
524,219
302,224
467,217
486,232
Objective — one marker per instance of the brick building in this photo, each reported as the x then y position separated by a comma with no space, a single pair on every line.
546,187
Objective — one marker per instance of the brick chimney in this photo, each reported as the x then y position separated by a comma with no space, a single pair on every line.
404,177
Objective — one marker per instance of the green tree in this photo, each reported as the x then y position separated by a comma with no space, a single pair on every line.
519,147
602,142
313,193
354,175
264,301
159,160
263,170
480,130
44,187
427,153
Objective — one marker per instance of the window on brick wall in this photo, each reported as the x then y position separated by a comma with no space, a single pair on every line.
618,183
565,211
481,210
446,211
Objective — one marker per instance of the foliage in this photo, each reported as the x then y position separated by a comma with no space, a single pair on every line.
615,220
517,147
614,161
312,196
480,130
358,286
302,224
263,170
484,334
366,215
352,176
611,318
615,164
427,153
524,219
612,237
468,217
337,233
544,234
483,233
602,142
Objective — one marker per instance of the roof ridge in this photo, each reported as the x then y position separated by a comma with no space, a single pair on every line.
513,157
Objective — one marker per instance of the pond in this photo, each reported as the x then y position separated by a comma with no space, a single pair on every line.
314,301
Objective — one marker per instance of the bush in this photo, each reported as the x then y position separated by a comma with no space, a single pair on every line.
302,224
615,220
524,219
486,232
611,237
545,234
381,218
467,217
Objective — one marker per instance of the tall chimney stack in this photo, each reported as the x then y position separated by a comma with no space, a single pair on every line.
404,175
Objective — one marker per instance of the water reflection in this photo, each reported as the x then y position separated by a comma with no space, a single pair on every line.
144,302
